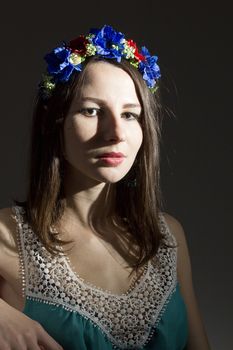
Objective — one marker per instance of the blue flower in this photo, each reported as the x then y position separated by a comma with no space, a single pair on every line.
59,65
145,52
108,42
149,68
105,42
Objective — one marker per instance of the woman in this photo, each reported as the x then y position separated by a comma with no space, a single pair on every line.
89,261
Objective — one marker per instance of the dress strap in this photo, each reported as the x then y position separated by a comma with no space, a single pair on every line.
168,236
17,215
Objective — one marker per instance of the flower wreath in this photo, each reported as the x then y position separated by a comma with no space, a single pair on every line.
104,42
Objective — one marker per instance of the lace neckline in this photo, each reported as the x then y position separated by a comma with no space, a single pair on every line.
134,285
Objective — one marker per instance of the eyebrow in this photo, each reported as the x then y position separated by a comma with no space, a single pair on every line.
102,102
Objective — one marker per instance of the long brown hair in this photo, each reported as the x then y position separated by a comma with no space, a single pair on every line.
138,206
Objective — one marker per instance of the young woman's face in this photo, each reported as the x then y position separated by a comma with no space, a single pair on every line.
102,133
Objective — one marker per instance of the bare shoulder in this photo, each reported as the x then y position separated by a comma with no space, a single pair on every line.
175,228
183,258
8,241
10,278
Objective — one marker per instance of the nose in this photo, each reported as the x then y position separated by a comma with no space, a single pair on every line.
114,129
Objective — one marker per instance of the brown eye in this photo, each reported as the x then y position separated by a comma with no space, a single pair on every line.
90,112
131,116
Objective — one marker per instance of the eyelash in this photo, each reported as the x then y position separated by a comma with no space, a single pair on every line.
100,111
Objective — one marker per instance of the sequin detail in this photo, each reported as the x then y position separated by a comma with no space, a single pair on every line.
128,320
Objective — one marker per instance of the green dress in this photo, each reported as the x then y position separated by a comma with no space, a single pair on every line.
80,316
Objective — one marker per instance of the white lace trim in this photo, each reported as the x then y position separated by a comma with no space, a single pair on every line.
129,319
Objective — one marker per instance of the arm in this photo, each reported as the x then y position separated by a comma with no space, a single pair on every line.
197,336
17,331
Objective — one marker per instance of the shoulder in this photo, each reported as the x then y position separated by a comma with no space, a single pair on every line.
8,239
7,226
183,257
175,227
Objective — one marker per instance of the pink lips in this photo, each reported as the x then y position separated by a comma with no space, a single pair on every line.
111,155
112,158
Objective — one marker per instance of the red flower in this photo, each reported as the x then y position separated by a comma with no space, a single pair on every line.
137,55
78,45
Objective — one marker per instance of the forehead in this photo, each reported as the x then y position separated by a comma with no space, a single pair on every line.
105,80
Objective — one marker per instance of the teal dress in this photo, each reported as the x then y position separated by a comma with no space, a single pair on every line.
80,316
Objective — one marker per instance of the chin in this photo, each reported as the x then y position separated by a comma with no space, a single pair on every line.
113,177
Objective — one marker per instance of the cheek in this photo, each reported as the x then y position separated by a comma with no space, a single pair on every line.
137,138
77,134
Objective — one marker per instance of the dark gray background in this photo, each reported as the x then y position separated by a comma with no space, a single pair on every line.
194,43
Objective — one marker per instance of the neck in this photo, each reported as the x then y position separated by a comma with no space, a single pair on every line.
86,200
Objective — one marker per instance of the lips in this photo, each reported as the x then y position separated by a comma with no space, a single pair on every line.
112,155
111,159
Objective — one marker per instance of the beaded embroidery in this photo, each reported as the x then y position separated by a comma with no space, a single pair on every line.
128,320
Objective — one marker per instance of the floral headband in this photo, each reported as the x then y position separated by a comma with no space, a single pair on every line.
104,42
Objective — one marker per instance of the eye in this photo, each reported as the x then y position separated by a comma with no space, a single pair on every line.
90,112
131,116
